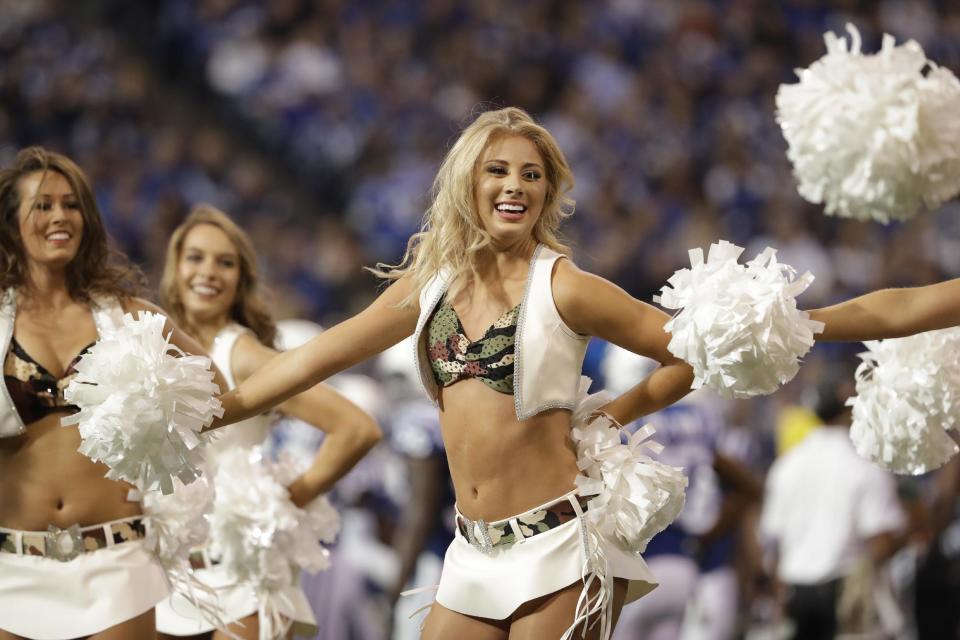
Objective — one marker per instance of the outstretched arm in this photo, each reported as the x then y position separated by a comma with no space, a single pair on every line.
351,432
593,306
891,313
382,324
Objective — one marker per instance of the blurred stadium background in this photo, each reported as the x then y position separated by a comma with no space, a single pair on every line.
319,127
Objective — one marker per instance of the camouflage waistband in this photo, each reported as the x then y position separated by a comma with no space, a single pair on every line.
485,537
67,544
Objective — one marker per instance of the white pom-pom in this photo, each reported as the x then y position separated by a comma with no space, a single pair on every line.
908,397
637,496
178,525
178,521
738,326
142,408
259,535
873,136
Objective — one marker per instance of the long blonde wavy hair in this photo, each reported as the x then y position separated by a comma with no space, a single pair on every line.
452,235
248,307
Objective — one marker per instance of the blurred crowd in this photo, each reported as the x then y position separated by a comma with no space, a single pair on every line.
319,126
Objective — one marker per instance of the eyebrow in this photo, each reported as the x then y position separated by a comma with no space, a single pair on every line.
231,254
525,165
66,196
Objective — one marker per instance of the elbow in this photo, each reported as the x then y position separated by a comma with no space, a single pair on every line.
684,376
354,440
367,435
676,363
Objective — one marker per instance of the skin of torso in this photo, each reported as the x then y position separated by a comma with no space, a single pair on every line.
499,465
44,480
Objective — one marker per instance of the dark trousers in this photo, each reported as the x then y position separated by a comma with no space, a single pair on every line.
937,595
813,610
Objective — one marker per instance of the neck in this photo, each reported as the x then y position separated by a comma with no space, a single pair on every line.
205,330
46,289
503,262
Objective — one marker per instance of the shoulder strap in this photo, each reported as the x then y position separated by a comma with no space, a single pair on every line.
107,313
222,351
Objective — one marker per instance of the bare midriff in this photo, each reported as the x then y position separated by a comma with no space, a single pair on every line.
501,466
45,481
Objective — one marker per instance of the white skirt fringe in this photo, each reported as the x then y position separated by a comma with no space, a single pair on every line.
177,616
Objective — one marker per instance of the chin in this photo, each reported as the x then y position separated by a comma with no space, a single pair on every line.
208,314
510,233
202,308
59,261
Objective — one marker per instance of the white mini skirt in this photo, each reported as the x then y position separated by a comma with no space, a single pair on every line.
177,616
494,584
46,599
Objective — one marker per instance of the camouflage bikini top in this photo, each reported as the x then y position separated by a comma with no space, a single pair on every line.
454,357
36,392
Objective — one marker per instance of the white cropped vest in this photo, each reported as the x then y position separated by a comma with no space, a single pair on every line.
107,312
548,355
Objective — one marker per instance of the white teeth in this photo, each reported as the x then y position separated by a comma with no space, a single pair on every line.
512,208
59,235
204,290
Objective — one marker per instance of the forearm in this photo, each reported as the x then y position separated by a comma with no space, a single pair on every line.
667,384
891,313
872,316
282,377
338,454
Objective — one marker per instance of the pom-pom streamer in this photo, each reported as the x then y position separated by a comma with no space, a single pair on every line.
178,521
261,538
737,325
178,524
907,407
636,496
143,404
873,136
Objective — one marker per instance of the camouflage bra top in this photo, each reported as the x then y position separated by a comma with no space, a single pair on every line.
455,357
35,391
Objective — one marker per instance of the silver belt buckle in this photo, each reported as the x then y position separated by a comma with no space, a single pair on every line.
63,544
483,543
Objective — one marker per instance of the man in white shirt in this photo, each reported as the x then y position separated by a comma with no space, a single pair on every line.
827,511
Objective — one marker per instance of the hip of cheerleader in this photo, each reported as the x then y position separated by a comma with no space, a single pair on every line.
491,568
68,596
45,481
501,466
